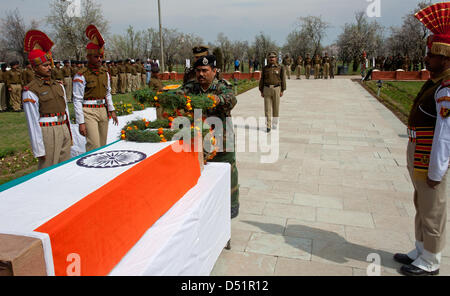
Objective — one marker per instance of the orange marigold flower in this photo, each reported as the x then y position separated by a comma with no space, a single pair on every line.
155,98
163,140
123,132
123,137
170,118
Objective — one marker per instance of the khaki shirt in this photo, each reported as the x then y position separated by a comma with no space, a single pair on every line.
273,75
67,71
13,77
27,76
128,68
50,94
57,74
134,70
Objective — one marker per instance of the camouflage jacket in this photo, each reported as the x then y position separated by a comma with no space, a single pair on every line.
225,93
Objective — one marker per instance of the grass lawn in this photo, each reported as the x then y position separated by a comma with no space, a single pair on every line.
16,158
398,96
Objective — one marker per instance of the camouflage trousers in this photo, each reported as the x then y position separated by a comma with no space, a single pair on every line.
230,157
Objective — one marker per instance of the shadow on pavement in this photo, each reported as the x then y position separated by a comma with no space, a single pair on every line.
328,245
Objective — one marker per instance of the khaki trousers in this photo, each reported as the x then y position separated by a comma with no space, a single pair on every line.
431,207
96,120
326,70
123,83
299,71
288,71
135,80
271,104
3,105
57,143
316,71
114,80
68,88
129,82
15,97
308,71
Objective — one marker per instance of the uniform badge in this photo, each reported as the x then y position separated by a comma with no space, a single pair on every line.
205,61
445,112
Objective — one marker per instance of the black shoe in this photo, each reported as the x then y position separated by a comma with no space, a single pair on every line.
268,130
234,211
411,270
403,259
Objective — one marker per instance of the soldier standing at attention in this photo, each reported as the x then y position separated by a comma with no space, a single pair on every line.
14,85
27,73
114,72
3,105
272,86
92,98
128,74
44,102
57,73
155,84
332,66
287,62
67,73
308,65
428,150
207,83
299,67
134,77
317,61
198,51
122,77
326,66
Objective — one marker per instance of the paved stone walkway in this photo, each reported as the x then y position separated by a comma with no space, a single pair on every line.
338,192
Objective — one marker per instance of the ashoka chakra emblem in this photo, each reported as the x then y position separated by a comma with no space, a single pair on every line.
111,159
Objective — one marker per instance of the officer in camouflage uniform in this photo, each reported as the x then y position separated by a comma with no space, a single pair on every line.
207,83
198,51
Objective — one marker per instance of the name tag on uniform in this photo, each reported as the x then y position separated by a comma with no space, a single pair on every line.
44,93
276,71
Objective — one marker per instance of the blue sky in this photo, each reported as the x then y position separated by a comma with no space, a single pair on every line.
238,19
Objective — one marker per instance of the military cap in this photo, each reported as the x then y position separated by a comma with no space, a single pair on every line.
14,63
66,61
272,54
200,50
208,60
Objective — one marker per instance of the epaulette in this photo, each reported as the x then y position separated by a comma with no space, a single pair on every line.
26,88
446,83
82,71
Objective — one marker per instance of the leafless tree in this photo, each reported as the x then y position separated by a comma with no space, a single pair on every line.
69,32
13,30
262,46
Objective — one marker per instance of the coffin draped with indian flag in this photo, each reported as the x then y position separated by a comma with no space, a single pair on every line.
93,208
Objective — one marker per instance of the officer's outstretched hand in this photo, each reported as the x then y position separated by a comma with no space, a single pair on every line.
114,118
82,129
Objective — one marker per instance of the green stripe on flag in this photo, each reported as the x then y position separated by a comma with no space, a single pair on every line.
25,178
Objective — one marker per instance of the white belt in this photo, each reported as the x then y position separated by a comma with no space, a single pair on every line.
53,119
94,102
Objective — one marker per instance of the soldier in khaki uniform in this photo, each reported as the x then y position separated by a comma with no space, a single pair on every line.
299,67
143,75
92,98
287,63
198,51
67,74
14,85
57,72
332,66
3,105
326,66
155,84
133,76
114,72
128,70
272,86
121,69
317,66
27,73
308,66
428,150
45,106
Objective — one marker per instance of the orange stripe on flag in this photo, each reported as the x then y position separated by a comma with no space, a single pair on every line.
103,226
